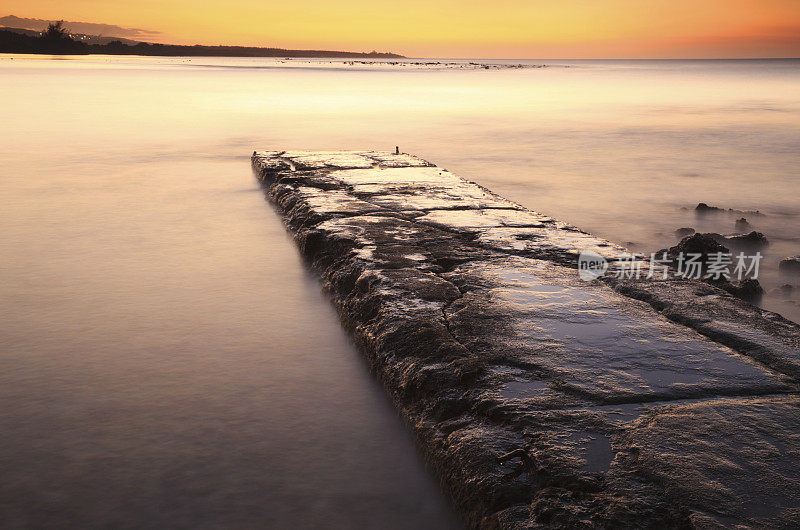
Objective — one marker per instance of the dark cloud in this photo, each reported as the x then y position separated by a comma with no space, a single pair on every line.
88,28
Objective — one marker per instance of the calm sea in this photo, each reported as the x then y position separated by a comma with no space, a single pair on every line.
166,359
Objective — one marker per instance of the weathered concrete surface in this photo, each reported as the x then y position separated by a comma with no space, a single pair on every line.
539,399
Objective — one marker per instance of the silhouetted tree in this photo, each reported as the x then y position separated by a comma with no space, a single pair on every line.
56,32
56,39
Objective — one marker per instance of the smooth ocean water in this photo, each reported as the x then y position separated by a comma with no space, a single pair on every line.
165,357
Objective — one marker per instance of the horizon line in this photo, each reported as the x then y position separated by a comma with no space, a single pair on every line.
401,56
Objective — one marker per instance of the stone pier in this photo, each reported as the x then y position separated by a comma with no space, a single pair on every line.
540,399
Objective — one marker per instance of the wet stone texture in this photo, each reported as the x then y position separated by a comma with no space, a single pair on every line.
540,399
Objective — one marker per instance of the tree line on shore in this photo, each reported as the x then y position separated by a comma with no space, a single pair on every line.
56,40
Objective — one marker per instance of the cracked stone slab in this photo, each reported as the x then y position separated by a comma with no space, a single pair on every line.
594,341
333,202
764,336
554,240
731,461
485,218
539,399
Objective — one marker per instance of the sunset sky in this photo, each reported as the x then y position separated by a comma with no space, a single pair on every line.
459,28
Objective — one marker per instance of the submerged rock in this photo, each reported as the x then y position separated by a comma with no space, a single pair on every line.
749,289
707,243
790,265
754,240
699,243
742,224
680,233
705,208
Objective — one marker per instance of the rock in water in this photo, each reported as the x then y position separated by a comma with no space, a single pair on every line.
749,289
755,240
742,225
790,265
708,244
703,244
705,208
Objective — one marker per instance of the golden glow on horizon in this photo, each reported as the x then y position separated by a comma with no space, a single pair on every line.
463,28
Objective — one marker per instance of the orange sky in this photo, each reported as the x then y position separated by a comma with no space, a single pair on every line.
460,28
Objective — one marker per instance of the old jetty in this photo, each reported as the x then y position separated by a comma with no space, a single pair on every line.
539,398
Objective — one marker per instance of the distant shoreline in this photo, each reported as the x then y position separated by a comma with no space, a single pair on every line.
14,41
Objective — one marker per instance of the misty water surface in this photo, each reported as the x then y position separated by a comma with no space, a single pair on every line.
167,359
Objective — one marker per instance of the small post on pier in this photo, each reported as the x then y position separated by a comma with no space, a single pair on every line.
397,149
